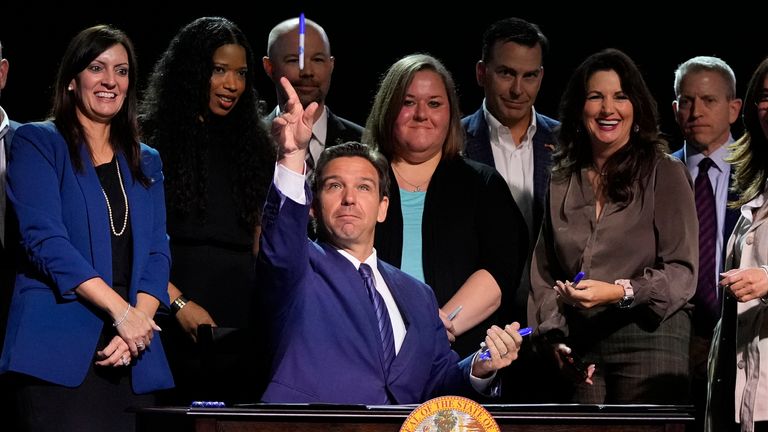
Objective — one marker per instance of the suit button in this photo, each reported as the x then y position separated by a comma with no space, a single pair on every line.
741,364
750,239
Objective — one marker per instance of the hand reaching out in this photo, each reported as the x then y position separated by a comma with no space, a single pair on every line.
292,129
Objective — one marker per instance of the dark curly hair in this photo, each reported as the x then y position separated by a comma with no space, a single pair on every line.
633,161
177,121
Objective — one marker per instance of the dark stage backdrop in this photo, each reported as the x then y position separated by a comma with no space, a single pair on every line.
366,44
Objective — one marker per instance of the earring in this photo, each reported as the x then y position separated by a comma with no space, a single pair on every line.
69,87
636,128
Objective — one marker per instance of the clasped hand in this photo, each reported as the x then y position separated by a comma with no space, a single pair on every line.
503,345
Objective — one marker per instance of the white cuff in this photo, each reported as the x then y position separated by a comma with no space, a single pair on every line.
290,184
481,385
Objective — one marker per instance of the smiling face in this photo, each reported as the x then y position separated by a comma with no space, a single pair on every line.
704,110
423,121
511,79
228,78
349,203
608,113
100,89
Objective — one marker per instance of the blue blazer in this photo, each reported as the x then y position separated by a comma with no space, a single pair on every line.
544,141
324,335
731,215
64,228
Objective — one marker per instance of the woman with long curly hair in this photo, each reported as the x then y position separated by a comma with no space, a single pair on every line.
201,111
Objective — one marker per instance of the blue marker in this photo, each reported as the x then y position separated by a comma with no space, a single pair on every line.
485,353
576,279
301,41
208,404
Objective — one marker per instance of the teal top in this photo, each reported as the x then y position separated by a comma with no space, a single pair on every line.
412,205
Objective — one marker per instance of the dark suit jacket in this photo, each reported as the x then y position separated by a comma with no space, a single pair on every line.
7,248
544,141
323,329
339,129
52,335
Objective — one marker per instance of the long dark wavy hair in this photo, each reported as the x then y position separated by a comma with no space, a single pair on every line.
124,131
750,152
176,119
634,160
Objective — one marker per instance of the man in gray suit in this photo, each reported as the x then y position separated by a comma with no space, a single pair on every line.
311,82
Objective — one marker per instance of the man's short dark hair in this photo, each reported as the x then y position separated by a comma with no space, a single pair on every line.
514,30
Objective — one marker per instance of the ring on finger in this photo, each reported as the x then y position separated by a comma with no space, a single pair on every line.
140,345
125,360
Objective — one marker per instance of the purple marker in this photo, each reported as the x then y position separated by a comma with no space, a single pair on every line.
485,353
301,41
576,279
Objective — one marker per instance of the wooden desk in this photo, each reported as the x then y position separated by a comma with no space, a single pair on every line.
518,418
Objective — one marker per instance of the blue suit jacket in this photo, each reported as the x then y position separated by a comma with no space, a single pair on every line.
479,148
52,335
731,215
324,334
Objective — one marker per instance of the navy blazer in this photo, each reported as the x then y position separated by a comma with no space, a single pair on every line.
544,141
339,130
62,214
324,334
731,214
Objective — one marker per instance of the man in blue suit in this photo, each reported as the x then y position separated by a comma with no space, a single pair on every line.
336,337
506,132
705,107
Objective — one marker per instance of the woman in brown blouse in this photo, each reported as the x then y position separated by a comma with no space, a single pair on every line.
622,212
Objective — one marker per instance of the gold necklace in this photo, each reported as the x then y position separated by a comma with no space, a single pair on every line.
109,207
416,187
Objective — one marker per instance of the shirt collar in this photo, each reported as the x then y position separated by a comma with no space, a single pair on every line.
692,156
5,123
494,125
371,260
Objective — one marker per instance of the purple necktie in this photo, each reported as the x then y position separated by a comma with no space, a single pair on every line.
382,315
707,304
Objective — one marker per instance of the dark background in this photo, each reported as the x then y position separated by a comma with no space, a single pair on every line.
364,45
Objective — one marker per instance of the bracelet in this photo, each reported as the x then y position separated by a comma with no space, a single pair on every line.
120,321
178,304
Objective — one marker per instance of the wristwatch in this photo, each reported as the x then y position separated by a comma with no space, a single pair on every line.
629,293
178,304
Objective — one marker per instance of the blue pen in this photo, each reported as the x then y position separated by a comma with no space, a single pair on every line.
301,41
485,353
576,279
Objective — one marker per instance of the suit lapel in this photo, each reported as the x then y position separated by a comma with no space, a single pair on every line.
140,214
96,212
478,140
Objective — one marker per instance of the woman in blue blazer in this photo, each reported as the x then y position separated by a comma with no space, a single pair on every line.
89,200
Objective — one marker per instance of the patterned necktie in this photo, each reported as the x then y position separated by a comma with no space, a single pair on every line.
706,301
382,315
310,160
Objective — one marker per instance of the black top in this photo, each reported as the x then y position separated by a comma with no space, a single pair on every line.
470,222
122,245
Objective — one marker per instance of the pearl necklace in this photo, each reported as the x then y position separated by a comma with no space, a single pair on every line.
109,207
416,188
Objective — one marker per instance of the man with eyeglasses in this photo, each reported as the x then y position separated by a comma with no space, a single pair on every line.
705,107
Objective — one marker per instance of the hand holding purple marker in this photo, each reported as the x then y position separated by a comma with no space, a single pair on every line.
576,279
485,353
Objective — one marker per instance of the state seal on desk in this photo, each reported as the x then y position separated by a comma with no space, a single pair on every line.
450,414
